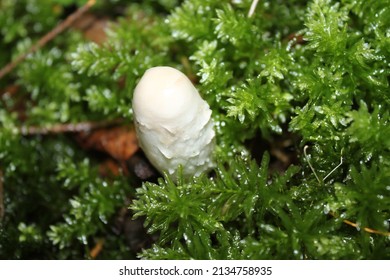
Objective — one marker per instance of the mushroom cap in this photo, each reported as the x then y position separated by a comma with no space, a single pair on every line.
165,96
173,122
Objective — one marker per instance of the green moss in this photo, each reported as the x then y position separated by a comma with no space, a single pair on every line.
314,72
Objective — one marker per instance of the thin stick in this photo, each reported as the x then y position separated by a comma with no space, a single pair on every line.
66,128
341,162
312,168
97,249
366,229
253,8
308,161
2,208
47,38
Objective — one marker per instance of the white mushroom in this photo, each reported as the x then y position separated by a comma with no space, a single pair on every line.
173,122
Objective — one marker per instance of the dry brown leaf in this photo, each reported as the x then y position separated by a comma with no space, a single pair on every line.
119,142
92,27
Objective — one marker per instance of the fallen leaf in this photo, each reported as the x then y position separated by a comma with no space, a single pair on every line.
92,27
119,142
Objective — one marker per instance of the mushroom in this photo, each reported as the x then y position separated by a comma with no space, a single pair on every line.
173,123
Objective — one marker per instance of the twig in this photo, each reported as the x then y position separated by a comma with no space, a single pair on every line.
366,229
2,209
252,8
341,162
67,128
308,161
47,38
97,249
312,168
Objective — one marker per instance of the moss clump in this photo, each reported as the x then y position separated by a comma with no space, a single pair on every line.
312,73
